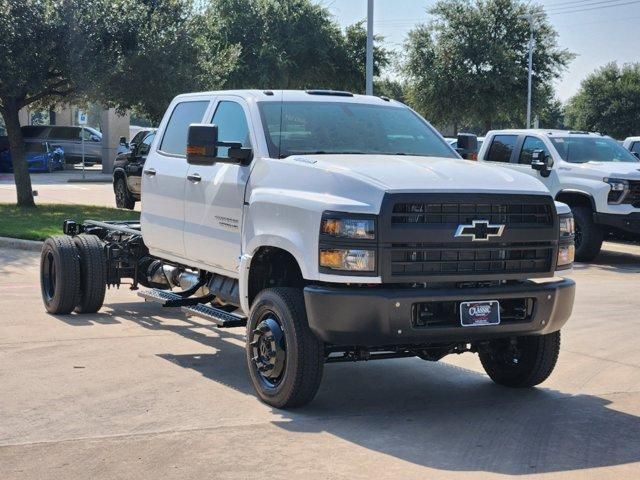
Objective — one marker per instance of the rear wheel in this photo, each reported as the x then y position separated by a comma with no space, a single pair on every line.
284,357
59,274
523,361
124,198
93,273
588,234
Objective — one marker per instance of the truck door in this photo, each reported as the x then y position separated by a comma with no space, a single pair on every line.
524,155
214,195
163,182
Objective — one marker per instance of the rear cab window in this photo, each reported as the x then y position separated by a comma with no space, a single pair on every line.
174,139
501,148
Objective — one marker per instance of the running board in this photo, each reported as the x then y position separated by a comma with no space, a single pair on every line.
167,298
221,318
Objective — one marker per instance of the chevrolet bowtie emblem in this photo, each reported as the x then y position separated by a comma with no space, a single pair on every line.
479,230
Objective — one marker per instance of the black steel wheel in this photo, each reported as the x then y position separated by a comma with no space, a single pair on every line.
93,273
284,357
521,362
124,198
59,274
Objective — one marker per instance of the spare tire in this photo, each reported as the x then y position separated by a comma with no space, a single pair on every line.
93,273
59,274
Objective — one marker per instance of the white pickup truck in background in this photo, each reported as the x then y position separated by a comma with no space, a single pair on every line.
337,228
593,174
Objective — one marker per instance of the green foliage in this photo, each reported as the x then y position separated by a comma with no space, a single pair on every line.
469,65
608,102
45,220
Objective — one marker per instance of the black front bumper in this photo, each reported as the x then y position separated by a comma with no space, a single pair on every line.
627,223
381,316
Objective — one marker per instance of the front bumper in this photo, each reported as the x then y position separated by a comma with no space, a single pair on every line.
627,223
380,316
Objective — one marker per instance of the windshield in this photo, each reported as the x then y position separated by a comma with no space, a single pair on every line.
348,128
592,149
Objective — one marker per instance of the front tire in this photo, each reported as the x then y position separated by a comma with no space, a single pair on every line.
124,199
588,234
285,359
59,274
524,363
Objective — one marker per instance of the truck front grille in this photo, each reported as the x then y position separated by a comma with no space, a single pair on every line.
533,214
425,237
633,197
433,259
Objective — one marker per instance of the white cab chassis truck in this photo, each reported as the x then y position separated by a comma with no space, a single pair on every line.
336,227
593,174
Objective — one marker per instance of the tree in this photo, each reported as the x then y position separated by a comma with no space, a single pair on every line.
353,71
469,64
123,53
608,101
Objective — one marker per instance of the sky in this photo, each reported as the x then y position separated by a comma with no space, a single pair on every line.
602,32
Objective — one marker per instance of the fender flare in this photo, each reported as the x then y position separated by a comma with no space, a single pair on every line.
582,193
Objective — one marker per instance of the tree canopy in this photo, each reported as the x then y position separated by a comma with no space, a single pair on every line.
608,101
469,64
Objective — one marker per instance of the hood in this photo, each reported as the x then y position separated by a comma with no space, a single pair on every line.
400,173
599,170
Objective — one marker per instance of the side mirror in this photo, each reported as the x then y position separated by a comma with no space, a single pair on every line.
467,145
636,154
541,162
203,144
123,142
95,138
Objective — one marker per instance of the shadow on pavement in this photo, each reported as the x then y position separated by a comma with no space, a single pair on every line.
613,261
435,415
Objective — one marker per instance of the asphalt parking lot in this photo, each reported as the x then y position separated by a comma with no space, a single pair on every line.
139,391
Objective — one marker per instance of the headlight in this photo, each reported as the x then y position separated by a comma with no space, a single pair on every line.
619,189
356,228
566,247
349,259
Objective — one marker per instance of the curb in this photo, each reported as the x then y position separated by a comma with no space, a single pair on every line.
20,244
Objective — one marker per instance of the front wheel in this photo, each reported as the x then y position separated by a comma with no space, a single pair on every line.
522,361
588,234
284,357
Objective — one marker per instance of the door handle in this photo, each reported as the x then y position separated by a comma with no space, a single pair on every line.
194,178
150,172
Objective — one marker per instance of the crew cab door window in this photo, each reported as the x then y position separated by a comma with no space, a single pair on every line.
528,147
232,125
501,148
635,148
174,140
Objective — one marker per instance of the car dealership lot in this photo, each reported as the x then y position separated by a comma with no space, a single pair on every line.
136,389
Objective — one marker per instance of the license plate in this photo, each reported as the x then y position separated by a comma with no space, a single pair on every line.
480,313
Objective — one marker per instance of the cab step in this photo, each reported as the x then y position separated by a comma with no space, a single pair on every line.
167,298
221,318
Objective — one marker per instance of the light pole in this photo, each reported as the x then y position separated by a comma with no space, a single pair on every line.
369,66
530,19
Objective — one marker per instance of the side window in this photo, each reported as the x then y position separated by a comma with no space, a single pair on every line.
635,147
232,125
145,146
530,144
86,134
65,133
184,114
501,148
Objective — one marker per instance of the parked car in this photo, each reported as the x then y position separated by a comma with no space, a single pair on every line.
335,228
127,170
70,139
41,157
633,145
126,147
593,174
